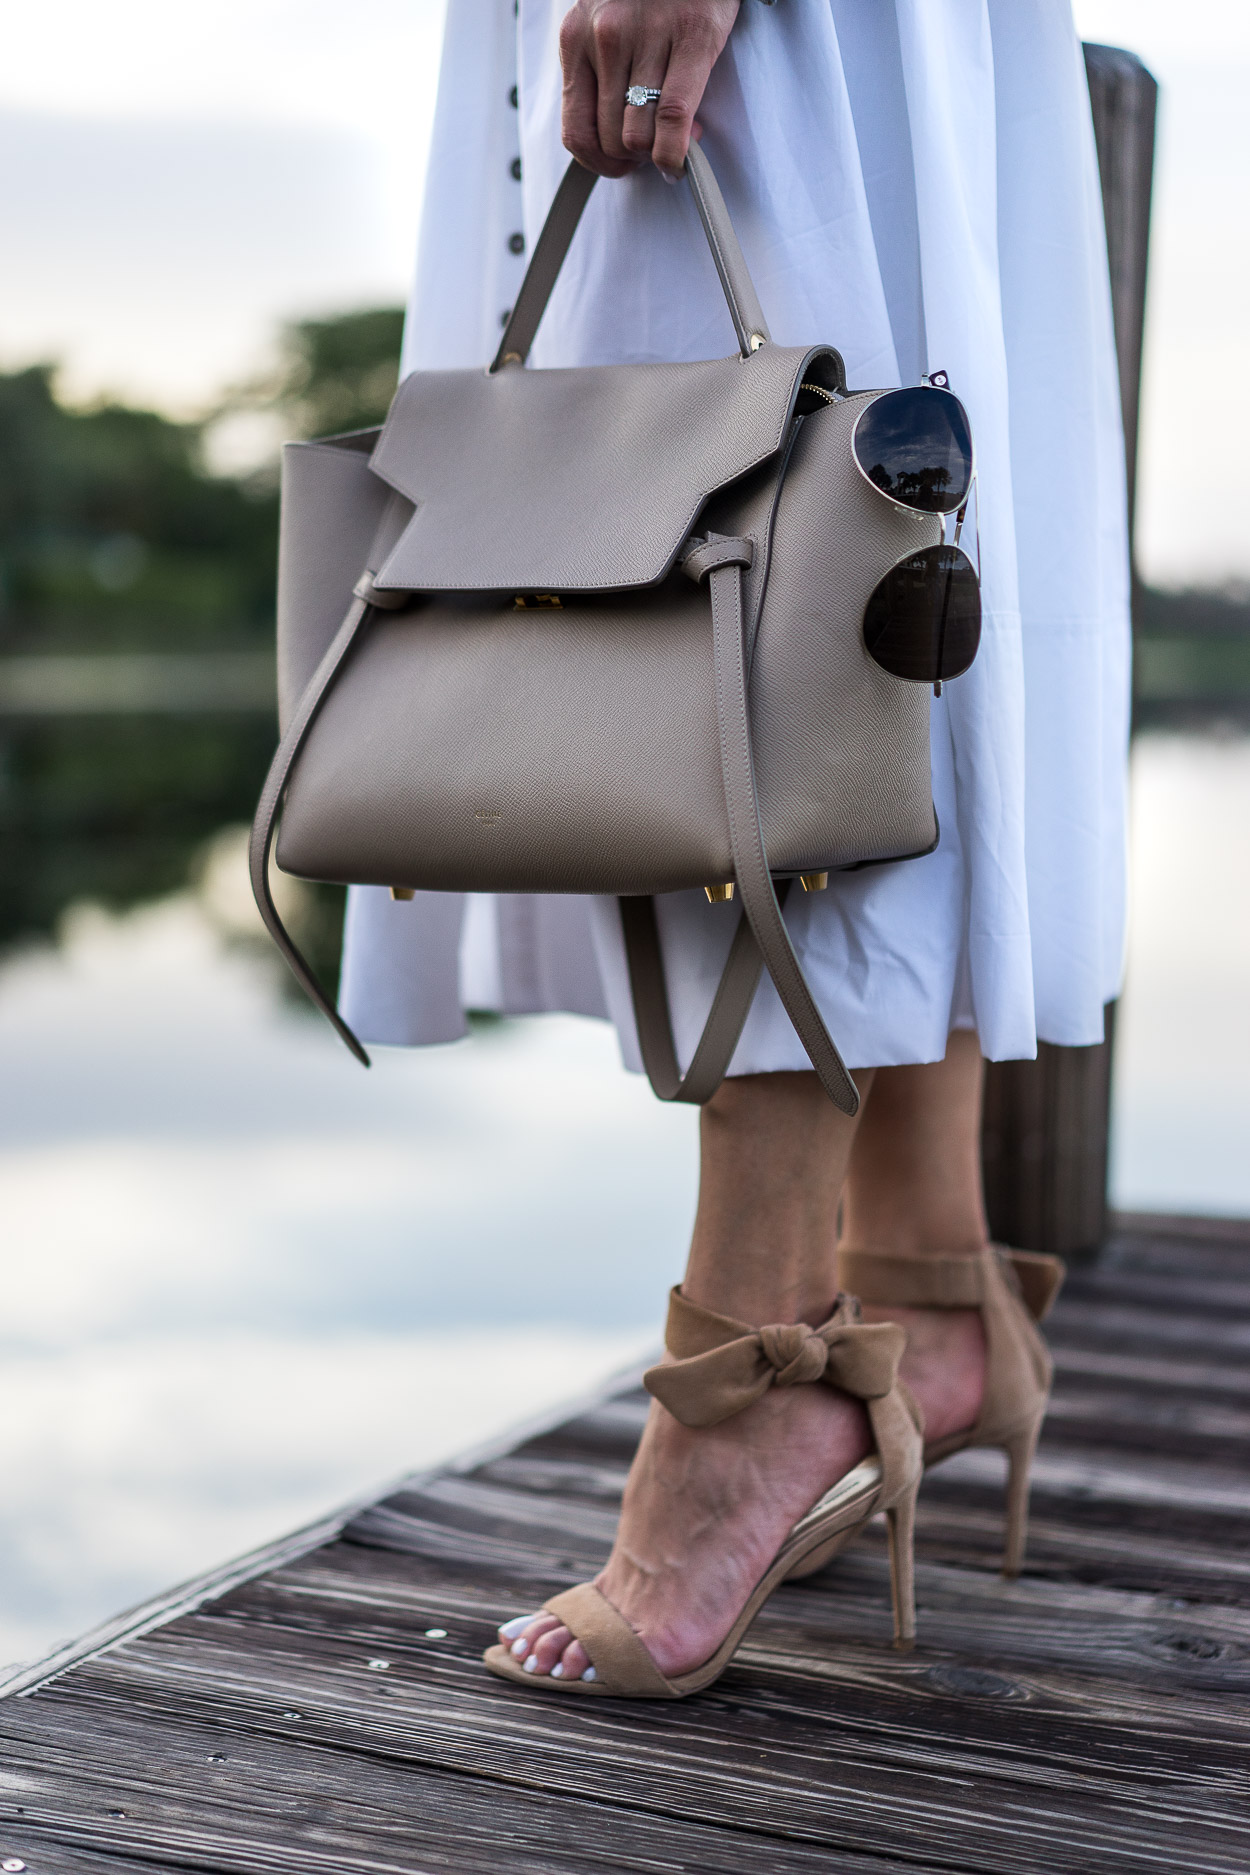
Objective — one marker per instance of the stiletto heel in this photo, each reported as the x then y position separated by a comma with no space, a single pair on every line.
719,1368
900,1523
1019,1448
1013,1291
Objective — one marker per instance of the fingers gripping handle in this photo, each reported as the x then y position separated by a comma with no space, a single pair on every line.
561,225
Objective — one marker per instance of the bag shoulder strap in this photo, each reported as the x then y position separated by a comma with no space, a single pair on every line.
761,938
364,601
721,562
265,824
730,1006
560,226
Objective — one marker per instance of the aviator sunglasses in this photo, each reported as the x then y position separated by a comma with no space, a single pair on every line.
923,621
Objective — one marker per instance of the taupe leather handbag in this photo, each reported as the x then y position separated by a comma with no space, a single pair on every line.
602,635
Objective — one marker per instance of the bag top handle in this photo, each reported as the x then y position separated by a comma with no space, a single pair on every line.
561,225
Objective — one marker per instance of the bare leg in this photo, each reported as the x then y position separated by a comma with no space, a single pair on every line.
705,1511
914,1186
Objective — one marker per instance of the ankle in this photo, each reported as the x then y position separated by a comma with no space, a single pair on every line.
935,1244
760,1299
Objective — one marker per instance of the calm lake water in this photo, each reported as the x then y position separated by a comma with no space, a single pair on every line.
245,1281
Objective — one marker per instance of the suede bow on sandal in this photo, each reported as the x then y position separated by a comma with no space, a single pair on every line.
720,1367
1012,1290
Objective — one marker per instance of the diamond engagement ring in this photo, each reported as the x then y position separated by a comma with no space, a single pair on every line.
642,94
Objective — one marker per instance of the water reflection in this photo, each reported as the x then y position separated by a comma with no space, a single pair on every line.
245,1280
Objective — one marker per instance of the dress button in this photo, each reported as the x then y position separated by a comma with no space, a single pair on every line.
512,97
516,169
516,243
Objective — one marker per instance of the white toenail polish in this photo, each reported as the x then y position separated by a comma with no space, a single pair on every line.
590,1674
511,1629
520,1648
531,1665
557,1672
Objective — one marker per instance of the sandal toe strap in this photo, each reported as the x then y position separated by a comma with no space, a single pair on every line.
621,1662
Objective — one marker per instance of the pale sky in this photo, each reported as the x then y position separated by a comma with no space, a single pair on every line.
187,175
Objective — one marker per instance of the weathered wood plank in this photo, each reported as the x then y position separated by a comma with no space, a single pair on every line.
1145,1376
1179,1235
1075,1495
1115,1325
245,1802
972,1617
865,1751
1090,1716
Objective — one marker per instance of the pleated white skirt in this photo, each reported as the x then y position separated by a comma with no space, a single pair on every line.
914,182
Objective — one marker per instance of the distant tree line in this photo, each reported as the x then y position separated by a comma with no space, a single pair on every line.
114,538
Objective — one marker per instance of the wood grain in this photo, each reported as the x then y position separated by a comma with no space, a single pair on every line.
1091,1716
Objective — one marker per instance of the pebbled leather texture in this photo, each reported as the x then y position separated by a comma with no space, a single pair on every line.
471,746
829,725
573,481
331,506
644,733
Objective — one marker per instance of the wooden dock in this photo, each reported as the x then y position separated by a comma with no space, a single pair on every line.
324,1708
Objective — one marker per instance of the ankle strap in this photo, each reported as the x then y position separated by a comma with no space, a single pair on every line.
917,1282
925,1282
722,1366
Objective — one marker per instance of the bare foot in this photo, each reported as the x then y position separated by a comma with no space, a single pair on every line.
704,1513
943,1364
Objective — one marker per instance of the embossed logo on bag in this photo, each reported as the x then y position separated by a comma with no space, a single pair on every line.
487,816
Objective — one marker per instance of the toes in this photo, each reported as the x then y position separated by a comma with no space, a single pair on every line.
545,1647
573,1663
522,1646
545,1652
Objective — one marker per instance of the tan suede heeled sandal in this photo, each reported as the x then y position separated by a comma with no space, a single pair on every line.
1013,1289
719,1368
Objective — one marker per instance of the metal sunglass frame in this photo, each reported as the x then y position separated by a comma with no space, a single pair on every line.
939,382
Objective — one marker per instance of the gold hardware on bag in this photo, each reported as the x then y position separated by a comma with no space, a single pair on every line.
813,881
819,391
403,892
535,601
757,339
719,894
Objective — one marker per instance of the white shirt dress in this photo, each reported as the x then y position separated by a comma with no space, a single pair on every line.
914,182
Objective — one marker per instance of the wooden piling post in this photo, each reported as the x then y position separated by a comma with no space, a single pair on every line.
1045,1126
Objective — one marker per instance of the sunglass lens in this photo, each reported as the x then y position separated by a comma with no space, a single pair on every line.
924,618
916,446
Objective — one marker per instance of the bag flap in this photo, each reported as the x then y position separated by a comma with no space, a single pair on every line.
574,480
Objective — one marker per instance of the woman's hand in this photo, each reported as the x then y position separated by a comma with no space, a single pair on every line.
608,45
